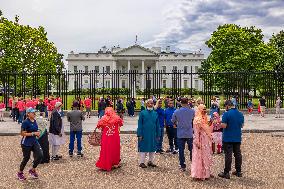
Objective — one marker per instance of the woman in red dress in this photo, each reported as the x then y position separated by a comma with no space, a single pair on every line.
110,144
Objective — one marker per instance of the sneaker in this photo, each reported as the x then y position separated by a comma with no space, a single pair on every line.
142,165
238,174
70,154
150,164
55,158
224,175
33,174
79,154
21,176
175,152
183,169
59,156
169,151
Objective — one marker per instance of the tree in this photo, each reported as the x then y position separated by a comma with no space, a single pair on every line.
277,41
234,49
24,49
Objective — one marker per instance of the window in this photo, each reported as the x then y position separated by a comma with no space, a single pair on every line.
107,69
185,69
196,84
123,84
174,84
75,84
123,68
97,69
164,68
185,84
75,68
196,69
107,84
175,68
86,81
164,83
86,69
97,84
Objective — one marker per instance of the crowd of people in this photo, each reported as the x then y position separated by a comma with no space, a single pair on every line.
183,120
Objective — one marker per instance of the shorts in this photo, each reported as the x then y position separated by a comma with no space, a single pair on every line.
262,108
88,109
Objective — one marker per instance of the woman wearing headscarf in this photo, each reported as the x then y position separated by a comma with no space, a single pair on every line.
217,132
110,143
202,141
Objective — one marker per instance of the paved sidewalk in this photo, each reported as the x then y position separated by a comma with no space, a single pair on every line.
252,124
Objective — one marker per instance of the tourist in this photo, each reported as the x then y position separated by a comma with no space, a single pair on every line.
142,104
183,119
43,137
41,107
46,104
161,114
56,131
171,128
133,106
250,107
29,143
15,110
21,107
232,123
101,108
166,101
214,106
2,109
120,109
75,117
262,105
10,102
110,142
202,151
217,133
88,103
278,107
129,108
148,133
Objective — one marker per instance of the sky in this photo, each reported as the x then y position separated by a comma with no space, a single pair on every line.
185,25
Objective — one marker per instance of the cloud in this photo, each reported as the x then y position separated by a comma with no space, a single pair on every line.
193,21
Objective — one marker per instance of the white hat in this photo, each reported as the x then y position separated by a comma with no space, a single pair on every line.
58,104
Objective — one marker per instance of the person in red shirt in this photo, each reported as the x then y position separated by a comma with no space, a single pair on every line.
87,103
30,104
10,105
2,109
22,107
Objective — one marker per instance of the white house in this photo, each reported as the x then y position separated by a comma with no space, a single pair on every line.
137,58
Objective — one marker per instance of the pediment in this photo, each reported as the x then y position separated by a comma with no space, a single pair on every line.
135,50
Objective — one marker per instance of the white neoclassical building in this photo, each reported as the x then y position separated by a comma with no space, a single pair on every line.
138,58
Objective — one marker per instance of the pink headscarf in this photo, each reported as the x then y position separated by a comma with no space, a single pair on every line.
110,118
199,117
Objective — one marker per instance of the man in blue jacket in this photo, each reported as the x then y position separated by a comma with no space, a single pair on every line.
183,118
161,116
171,128
232,122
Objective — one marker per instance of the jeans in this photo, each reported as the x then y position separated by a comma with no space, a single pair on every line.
21,117
78,135
15,114
229,148
37,153
181,147
101,113
172,136
160,142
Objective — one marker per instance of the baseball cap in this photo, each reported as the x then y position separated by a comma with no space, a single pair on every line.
30,110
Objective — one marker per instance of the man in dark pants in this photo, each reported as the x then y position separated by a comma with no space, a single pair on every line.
183,118
232,122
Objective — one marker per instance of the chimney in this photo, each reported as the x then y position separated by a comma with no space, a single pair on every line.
104,49
168,49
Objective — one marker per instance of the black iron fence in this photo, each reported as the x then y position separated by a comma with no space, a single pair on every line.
133,84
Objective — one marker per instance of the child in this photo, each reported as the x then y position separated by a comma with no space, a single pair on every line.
217,132
2,109
250,107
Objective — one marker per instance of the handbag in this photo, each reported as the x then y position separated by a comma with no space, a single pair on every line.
95,138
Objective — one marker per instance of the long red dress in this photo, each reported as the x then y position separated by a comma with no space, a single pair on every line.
110,144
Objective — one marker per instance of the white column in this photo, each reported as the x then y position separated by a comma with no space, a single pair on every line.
114,65
129,65
157,65
143,77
